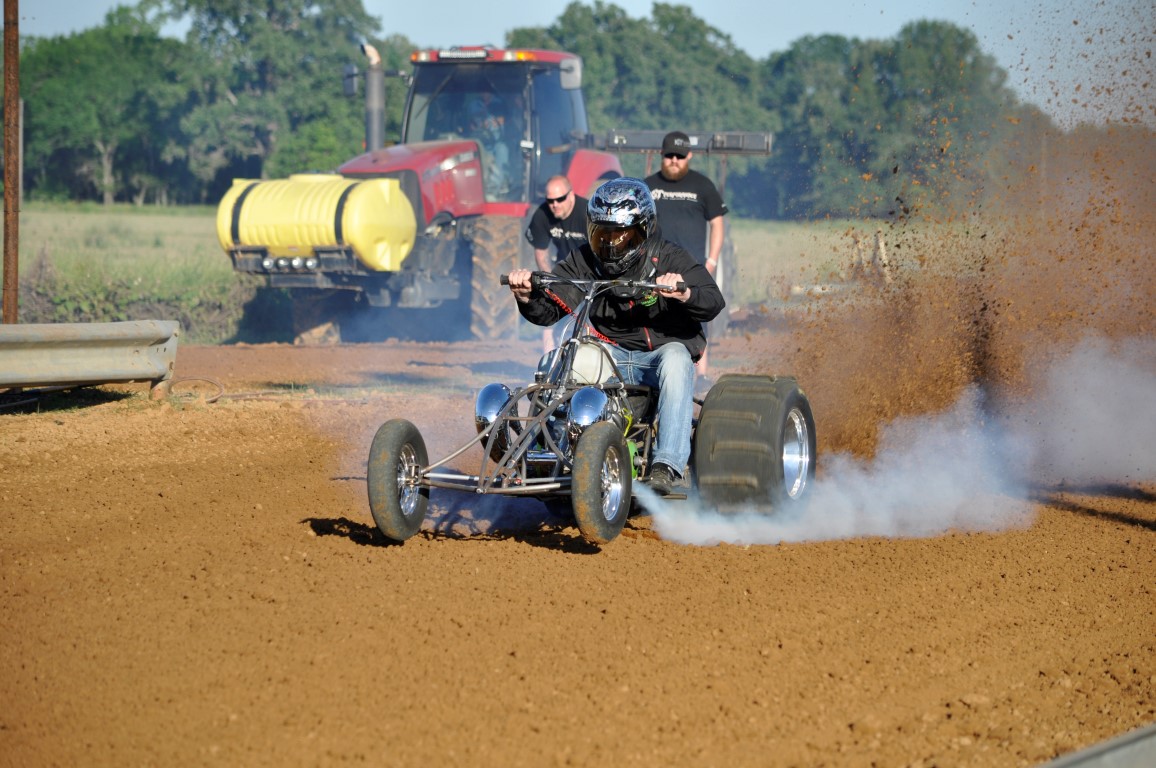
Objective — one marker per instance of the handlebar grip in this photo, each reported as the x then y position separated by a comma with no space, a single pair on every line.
535,279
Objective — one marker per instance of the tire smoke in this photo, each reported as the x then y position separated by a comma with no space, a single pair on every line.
967,468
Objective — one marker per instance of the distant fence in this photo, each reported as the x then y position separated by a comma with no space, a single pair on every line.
78,354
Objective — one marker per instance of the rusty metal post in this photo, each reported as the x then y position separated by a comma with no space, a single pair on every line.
11,293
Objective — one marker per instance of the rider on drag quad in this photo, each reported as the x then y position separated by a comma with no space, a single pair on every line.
655,337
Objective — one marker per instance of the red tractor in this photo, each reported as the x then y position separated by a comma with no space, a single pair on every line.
431,222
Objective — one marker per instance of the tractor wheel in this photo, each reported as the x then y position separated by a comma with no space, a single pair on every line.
496,244
397,502
601,483
755,443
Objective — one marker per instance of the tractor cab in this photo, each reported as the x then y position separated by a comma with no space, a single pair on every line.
523,108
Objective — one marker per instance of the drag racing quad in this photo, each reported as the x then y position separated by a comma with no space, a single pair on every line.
578,436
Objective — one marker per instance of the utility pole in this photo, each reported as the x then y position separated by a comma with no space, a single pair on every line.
11,293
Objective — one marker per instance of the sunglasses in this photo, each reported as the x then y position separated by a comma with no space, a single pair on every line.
673,156
556,200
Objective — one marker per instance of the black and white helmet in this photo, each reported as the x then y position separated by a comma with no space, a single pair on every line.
620,218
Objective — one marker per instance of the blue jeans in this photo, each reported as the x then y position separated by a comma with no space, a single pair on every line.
670,369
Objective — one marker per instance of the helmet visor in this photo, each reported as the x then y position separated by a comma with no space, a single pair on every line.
612,243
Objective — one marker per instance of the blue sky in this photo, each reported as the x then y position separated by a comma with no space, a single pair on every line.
1061,54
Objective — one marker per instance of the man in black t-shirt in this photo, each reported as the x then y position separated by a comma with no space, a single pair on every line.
689,207
560,220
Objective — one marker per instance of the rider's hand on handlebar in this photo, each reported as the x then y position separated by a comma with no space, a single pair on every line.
520,284
670,282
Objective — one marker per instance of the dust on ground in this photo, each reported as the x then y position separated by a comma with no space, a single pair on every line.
199,582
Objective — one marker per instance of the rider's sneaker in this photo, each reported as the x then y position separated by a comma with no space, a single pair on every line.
662,479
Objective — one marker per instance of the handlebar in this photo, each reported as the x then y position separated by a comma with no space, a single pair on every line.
540,279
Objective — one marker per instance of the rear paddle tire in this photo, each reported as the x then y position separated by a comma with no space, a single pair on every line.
396,498
755,443
601,483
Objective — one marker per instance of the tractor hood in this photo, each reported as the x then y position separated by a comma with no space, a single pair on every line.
446,174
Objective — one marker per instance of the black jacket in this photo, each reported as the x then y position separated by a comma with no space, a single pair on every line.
633,318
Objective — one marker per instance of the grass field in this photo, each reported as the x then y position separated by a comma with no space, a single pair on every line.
87,263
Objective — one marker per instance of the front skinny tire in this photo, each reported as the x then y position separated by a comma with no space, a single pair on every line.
396,499
601,483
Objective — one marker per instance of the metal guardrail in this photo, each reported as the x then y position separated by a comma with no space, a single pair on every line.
79,354
1135,749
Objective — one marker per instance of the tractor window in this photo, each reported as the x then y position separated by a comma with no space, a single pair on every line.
482,102
446,98
560,114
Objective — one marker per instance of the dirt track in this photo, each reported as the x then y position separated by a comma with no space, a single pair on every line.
200,583
195,583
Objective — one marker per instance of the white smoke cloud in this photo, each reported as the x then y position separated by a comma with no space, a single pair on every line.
1094,420
1095,417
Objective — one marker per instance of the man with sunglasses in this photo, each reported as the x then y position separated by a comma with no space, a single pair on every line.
689,206
560,220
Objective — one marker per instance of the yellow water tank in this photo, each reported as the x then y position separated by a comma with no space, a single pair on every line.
295,216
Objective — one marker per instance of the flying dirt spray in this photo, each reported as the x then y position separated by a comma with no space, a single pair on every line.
969,468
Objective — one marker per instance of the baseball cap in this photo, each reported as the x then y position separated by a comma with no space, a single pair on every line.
676,143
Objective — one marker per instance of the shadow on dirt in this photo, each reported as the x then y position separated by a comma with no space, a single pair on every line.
358,533
53,399
1052,497
1115,490
265,318
486,518
546,537
279,315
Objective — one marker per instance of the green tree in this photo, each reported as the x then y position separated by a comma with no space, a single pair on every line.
922,122
95,102
671,71
272,103
948,99
880,128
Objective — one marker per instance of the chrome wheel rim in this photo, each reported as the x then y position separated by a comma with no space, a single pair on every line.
611,483
796,454
408,490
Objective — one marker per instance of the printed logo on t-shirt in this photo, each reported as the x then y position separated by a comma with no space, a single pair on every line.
664,194
557,231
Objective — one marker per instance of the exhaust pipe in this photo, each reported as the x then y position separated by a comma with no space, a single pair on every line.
374,100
